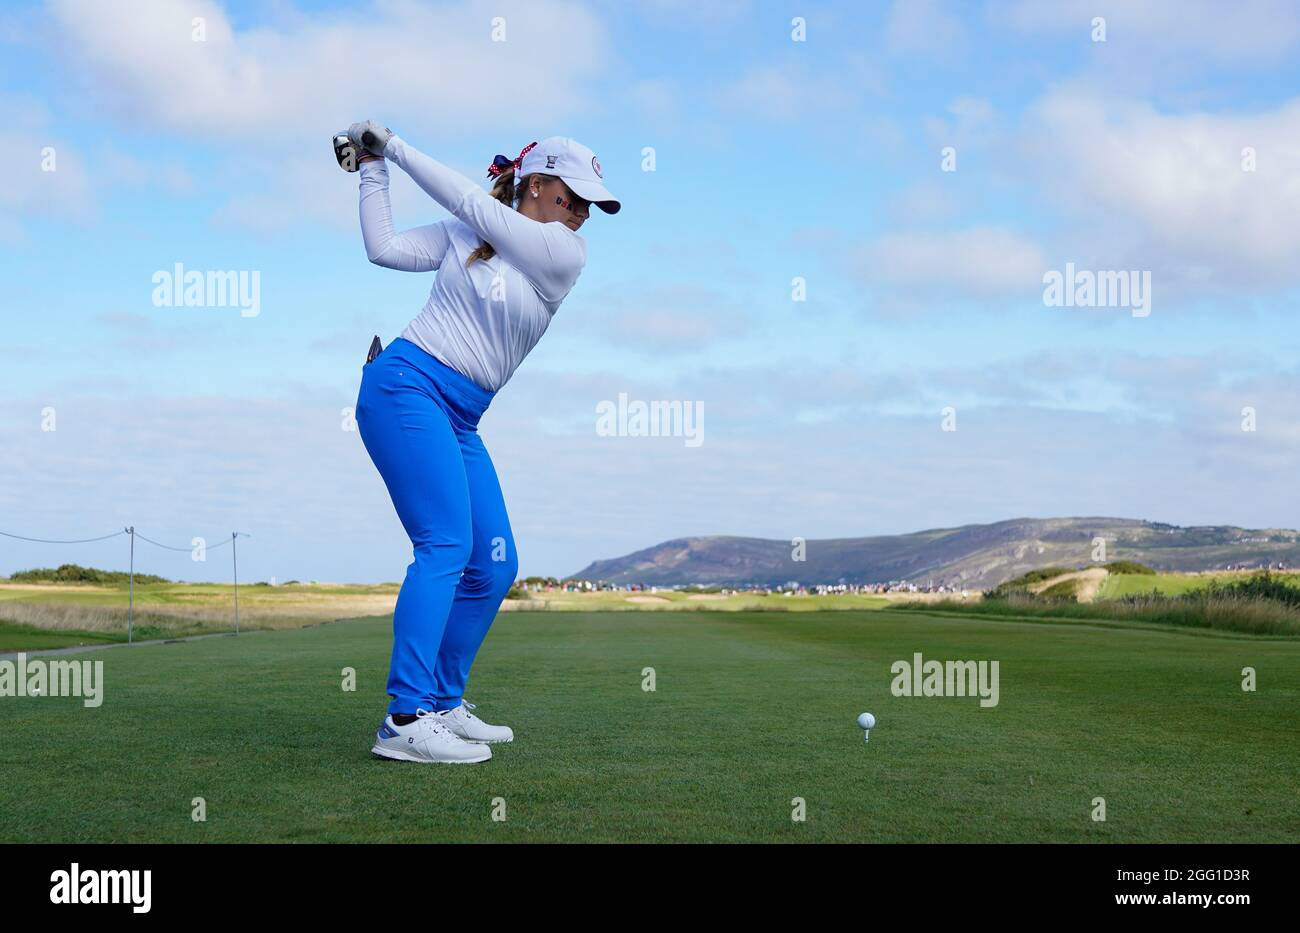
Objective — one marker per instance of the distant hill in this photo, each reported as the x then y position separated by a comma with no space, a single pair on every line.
976,556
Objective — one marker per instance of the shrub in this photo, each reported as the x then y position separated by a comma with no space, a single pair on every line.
1259,606
1263,585
75,573
1128,566
1065,590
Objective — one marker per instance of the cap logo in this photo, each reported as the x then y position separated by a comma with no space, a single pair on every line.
595,167
550,161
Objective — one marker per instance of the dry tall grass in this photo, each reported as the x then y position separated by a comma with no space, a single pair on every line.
198,616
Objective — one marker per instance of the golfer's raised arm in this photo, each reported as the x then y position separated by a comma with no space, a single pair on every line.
417,250
550,254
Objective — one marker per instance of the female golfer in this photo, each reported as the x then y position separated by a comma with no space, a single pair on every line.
505,262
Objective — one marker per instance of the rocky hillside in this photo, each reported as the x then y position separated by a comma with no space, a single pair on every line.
975,556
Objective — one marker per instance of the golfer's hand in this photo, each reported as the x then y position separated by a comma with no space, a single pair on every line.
369,137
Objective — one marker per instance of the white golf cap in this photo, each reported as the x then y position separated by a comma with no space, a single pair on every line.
570,160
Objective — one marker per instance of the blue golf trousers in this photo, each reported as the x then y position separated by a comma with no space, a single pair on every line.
418,419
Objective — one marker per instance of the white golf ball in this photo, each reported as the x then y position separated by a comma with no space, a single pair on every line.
866,721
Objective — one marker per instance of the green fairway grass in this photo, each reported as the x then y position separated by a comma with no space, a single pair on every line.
750,711
29,638
1172,584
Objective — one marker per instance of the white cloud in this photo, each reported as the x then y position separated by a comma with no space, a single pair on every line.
656,99
715,13
393,61
972,122
926,202
272,95
783,92
979,260
1169,190
924,27
671,319
1244,33
311,191
27,189
119,167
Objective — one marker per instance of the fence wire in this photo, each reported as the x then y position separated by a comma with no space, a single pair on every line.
133,534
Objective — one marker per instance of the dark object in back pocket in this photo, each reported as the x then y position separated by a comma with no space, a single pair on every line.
376,348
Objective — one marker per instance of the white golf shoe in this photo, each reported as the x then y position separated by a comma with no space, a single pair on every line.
427,741
472,729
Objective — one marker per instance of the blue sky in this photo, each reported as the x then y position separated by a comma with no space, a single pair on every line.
772,159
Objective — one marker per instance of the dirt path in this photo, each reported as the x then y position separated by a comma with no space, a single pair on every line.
1087,587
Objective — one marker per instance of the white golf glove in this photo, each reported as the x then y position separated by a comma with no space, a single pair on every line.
370,136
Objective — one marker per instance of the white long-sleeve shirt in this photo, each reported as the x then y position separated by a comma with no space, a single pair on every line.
481,321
